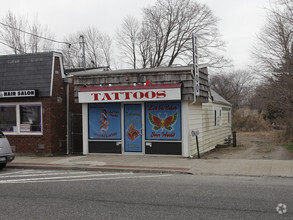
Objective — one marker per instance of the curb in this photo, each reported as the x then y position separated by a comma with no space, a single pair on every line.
101,169
132,170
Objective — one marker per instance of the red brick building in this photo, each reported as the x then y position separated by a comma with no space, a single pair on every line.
34,103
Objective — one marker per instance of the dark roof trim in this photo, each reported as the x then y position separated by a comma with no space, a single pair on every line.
114,88
74,70
147,70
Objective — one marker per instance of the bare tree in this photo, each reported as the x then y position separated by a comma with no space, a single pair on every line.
36,43
106,48
72,54
236,87
98,49
274,54
145,47
284,5
21,36
274,46
164,37
128,40
11,34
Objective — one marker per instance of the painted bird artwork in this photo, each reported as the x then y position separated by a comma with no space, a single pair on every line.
161,123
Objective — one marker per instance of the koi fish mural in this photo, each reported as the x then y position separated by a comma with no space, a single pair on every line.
132,133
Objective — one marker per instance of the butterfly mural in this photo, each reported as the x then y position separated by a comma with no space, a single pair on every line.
161,123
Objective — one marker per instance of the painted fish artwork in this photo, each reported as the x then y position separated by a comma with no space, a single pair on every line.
132,133
162,123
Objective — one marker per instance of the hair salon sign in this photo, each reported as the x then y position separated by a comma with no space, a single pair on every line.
18,93
132,94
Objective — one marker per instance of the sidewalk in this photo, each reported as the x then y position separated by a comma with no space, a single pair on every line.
159,164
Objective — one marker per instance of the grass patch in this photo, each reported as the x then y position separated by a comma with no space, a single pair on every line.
289,146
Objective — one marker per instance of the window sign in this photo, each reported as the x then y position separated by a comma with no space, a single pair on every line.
105,121
30,118
163,121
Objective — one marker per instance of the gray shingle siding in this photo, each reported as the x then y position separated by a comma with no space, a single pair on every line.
161,75
26,71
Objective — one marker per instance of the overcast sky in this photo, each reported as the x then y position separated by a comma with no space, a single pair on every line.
240,20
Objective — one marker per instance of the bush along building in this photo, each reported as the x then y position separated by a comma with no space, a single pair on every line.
34,103
150,112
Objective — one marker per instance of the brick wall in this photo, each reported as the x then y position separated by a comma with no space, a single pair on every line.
58,119
53,139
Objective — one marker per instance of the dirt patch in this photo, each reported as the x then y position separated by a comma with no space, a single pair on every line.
253,145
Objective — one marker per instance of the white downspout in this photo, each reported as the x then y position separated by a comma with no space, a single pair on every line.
67,115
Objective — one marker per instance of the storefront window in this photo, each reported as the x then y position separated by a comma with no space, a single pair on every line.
8,118
163,121
20,119
30,118
105,121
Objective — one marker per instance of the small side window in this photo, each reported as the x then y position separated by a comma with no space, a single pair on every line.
220,117
215,117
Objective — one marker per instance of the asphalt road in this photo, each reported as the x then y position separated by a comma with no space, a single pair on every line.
40,194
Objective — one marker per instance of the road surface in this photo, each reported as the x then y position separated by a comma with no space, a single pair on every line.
51,194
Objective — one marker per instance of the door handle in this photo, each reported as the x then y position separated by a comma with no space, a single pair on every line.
141,131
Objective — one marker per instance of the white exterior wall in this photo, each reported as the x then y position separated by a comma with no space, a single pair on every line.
185,129
215,135
195,123
201,117
85,141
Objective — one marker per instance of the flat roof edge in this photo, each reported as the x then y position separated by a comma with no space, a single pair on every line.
147,70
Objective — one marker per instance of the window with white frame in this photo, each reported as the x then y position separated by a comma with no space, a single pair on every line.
21,118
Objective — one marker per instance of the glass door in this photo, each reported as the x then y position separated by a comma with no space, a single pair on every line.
132,128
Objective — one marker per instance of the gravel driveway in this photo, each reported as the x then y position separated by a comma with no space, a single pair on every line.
253,145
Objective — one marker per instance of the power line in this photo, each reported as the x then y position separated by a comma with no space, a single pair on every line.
12,47
35,35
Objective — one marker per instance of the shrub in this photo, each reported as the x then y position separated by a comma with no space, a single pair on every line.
245,119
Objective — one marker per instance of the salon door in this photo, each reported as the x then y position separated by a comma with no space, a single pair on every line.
132,128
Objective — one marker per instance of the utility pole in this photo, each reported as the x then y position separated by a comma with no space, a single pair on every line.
81,41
